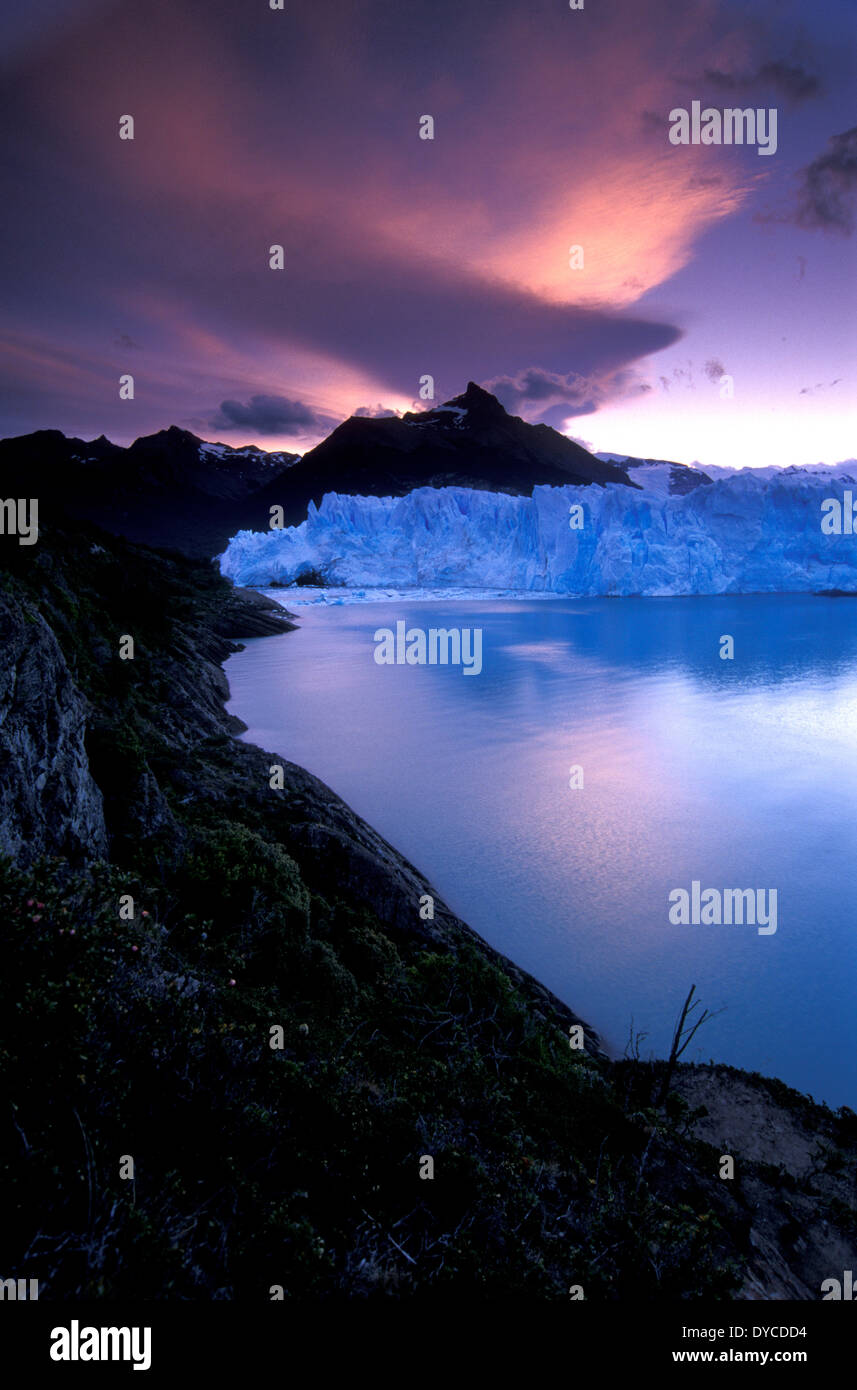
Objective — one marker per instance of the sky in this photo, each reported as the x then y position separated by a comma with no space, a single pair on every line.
713,318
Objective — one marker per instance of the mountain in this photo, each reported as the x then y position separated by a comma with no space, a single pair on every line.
845,471
661,475
668,477
173,489
741,534
471,442
169,489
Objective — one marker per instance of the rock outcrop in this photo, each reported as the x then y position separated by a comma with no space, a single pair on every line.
49,801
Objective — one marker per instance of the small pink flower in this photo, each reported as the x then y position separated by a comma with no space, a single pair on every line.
36,917
232,982
31,902
71,931
144,914
133,948
38,904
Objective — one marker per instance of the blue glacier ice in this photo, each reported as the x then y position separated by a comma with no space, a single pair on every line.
748,532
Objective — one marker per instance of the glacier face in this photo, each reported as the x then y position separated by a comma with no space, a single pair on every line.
738,534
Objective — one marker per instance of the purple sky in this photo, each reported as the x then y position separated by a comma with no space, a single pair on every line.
449,257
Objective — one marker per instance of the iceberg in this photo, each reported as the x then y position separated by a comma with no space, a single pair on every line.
737,534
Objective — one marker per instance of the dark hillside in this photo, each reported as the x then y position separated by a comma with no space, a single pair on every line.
257,909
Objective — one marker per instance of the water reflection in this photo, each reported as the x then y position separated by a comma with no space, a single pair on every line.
736,773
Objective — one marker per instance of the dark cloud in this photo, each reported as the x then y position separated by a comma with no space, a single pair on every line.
548,391
270,415
712,368
554,397
826,196
792,82
826,193
376,412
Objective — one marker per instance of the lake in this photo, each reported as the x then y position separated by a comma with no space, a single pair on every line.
735,774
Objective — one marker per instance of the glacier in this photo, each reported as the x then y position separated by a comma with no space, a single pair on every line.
740,533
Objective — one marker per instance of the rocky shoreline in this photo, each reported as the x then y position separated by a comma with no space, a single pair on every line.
403,1038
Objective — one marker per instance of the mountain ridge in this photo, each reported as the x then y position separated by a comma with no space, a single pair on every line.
175,490
170,488
468,441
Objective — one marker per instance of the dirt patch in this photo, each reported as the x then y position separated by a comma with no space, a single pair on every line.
796,1172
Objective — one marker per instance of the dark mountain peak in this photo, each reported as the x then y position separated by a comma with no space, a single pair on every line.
171,438
478,400
54,452
41,437
470,441
474,410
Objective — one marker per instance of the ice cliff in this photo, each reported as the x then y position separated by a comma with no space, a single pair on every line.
742,533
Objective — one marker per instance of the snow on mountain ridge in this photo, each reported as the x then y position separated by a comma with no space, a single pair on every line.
662,476
641,467
265,458
844,471
736,535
